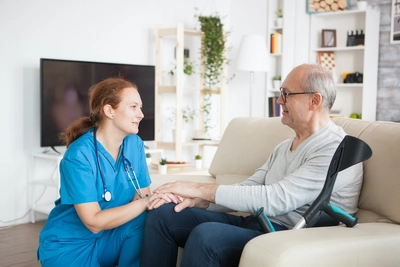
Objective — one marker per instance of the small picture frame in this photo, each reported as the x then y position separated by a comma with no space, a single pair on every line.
328,38
395,22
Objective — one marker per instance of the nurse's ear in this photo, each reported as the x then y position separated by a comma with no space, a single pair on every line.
108,111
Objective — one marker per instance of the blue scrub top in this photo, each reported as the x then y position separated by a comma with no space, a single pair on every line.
81,182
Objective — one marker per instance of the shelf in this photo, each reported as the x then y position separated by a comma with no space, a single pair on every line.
182,92
338,13
351,97
355,85
173,32
338,49
45,173
171,89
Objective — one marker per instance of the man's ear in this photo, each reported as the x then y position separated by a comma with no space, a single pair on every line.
316,101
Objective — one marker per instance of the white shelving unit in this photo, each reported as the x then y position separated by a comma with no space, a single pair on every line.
44,179
181,37
351,98
283,62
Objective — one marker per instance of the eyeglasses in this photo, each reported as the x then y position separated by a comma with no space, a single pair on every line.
284,95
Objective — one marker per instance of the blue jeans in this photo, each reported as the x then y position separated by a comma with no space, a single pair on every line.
209,238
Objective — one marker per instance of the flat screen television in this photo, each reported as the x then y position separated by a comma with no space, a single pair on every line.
64,86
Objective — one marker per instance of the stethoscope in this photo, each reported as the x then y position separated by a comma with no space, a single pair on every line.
128,167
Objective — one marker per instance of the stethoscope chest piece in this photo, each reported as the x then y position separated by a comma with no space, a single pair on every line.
107,196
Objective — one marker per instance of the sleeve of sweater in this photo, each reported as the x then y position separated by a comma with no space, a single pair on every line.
291,179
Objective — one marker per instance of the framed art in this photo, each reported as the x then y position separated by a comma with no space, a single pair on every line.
328,38
316,6
395,25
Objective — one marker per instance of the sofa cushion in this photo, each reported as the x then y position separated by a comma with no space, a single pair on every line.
379,199
326,246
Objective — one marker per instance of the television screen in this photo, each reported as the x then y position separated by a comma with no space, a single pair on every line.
64,93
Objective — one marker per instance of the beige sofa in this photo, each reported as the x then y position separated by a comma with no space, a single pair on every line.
374,241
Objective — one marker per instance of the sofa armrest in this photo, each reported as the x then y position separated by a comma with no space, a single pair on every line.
160,179
366,244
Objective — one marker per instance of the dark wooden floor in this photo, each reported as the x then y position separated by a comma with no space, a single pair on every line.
18,245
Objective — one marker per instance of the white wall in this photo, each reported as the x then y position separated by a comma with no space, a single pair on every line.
120,31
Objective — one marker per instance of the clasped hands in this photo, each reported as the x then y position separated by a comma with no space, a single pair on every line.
183,193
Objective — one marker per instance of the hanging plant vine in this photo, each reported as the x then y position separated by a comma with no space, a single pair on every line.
213,58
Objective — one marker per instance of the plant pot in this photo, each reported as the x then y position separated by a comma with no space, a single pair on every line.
276,84
162,169
198,163
362,5
148,161
279,22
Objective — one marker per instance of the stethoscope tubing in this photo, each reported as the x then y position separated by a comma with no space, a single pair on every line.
107,196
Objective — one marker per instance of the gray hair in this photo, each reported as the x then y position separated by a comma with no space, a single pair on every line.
319,79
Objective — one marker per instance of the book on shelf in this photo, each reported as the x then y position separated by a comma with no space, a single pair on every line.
274,109
276,43
334,113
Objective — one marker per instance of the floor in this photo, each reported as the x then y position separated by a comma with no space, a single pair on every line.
18,245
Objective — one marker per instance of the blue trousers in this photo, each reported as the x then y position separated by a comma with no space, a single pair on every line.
209,238
119,246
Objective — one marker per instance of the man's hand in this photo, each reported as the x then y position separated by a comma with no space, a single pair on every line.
188,189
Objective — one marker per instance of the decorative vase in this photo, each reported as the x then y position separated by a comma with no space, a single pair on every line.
198,163
279,22
362,5
162,169
277,84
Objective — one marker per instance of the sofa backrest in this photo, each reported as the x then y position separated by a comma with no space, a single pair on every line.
380,194
246,146
248,142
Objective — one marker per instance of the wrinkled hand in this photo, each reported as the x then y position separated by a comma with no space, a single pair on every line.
156,200
188,189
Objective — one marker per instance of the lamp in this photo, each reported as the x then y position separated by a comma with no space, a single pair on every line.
253,56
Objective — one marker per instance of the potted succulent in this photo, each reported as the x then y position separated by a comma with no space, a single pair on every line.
279,18
198,161
148,158
162,166
276,82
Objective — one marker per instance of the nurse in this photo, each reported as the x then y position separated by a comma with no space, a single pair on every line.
99,218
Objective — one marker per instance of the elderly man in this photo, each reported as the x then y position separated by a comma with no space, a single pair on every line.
284,186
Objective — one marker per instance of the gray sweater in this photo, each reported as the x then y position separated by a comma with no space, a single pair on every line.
290,181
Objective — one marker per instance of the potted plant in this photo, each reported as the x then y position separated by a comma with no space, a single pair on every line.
279,18
188,69
188,116
162,166
198,161
148,158
276,82
362,5
213,56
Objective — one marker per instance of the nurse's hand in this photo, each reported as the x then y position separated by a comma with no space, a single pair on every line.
158,199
